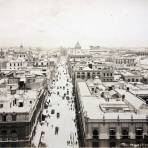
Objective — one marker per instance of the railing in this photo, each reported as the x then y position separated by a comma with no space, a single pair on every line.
12,139
138,137
8,139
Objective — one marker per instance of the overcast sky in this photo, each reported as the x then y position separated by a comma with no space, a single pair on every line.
64,22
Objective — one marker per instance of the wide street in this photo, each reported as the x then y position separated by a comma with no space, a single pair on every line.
58,128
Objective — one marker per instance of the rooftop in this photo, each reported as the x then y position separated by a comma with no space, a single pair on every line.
113,106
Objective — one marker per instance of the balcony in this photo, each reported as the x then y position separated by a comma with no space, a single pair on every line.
13,139
139,137
8,139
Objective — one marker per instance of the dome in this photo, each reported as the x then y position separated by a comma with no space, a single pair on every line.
97,81
77,46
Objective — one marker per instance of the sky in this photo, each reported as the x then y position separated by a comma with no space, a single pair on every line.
53,23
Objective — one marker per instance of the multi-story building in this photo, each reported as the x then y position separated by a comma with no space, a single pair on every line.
110,116
88,69
41,63
21,102
123,60
17,64
128,76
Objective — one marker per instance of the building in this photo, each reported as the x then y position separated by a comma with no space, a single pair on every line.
128,76
86,68
123,60
17,64
22,98
41,63
109,116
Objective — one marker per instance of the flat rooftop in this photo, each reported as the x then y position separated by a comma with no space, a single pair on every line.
21,102
97,107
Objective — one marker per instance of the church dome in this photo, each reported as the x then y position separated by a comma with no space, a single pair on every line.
77,46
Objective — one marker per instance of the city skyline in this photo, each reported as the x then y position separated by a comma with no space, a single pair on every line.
53,23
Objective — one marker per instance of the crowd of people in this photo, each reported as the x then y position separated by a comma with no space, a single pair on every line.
62,89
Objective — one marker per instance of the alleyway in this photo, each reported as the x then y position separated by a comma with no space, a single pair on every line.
59,128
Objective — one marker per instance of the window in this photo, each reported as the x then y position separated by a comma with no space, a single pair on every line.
1,105
14,117
124,133
139,133
95,142
112,133
78,76
4,118
10,64
20,104
83,76
88,75
92,89
95,134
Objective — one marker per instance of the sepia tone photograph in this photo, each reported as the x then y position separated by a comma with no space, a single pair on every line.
74,73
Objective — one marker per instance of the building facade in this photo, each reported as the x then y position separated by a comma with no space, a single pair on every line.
110,116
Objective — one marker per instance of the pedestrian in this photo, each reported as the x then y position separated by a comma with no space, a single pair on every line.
55,131
76,142
68,142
